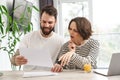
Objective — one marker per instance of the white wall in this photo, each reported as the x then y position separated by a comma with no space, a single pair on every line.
4,63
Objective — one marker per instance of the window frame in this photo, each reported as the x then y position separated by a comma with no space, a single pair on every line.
58,4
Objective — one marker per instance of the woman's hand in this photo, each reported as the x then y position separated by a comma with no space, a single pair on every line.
65,58
71,46
57,68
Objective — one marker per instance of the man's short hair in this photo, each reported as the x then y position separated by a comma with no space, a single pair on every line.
51,10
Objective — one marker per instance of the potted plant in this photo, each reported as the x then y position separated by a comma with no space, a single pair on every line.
13,30
1,74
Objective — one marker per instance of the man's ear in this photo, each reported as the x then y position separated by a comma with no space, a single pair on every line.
55,21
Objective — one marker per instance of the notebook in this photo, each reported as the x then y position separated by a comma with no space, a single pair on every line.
39,73
114,66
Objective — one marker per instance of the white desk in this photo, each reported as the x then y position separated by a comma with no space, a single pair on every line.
66,75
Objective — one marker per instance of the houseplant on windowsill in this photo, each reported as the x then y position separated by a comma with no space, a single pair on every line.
13,30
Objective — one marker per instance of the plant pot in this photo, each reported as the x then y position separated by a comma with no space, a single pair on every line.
1,73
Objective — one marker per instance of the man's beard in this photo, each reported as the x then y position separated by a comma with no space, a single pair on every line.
46,32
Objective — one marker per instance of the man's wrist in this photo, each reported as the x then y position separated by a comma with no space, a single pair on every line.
13,61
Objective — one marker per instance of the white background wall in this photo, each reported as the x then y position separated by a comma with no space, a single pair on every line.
3,56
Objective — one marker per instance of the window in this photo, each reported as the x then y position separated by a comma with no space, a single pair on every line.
104,16
107,28
69,9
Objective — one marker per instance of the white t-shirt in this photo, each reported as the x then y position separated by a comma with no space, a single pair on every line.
36,40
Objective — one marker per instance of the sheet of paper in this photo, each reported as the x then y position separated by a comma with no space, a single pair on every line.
37,57
41,73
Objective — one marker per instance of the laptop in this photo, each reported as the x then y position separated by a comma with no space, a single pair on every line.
114,66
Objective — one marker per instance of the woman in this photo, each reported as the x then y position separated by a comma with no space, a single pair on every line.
80,49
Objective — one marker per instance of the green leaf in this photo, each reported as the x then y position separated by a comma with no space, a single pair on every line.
3,36
1,28
29,9
4,9
29,28
1,25
15,26
34,7
9,18
17,39
7,29
11,51
0,18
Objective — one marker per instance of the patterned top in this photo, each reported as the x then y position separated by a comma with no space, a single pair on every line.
85,53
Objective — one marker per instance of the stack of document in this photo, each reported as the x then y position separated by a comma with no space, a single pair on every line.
37,57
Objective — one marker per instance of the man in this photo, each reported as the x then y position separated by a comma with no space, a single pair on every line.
45,37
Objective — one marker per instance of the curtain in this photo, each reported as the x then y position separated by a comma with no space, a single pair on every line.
45,3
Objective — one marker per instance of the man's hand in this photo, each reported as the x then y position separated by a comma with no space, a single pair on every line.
20,60
57,68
